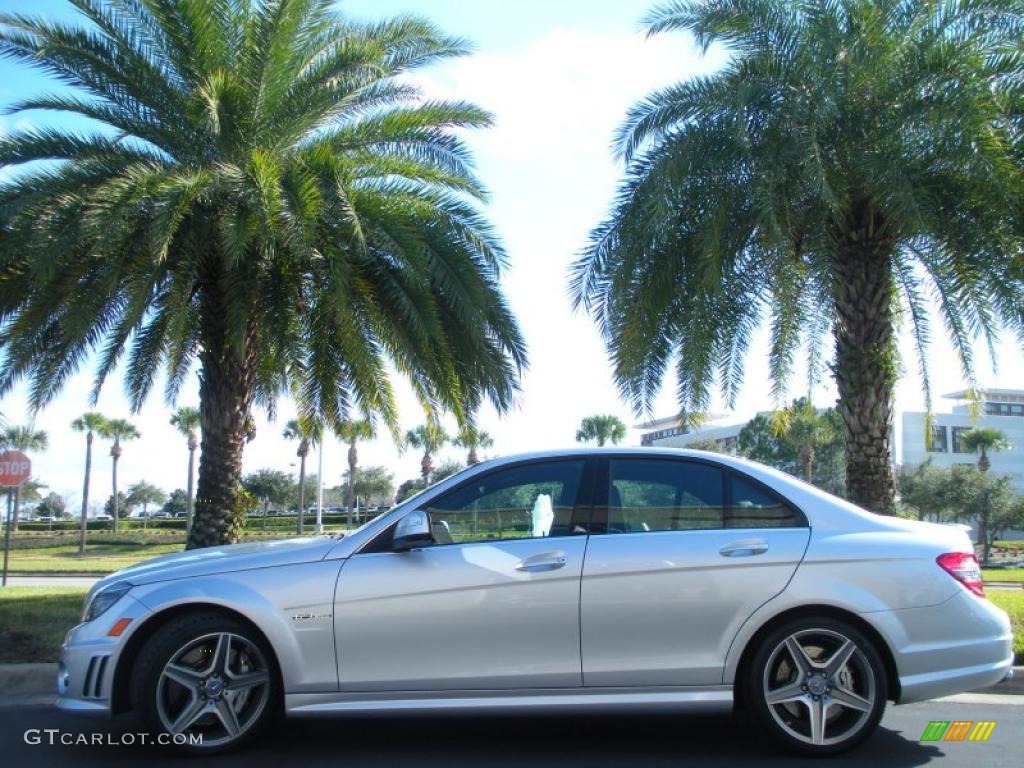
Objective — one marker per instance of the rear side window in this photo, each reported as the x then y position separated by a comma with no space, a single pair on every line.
645,495
648,495
750,506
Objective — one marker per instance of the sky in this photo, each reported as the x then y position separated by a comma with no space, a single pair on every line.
558,77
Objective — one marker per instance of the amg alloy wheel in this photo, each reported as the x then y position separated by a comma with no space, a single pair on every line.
207,682
818,686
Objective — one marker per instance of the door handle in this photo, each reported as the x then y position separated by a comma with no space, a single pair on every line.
745,548
549,561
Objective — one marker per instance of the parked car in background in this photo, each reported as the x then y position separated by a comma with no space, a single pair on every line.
579,580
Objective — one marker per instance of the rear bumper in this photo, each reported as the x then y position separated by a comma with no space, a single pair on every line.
960,645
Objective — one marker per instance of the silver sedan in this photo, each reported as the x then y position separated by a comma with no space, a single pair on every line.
574,580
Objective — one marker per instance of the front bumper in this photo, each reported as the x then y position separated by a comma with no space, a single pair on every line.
961,645
89,656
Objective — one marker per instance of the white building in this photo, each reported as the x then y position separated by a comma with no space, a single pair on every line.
667,433
1002,409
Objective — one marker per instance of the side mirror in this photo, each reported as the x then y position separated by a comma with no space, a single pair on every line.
412,531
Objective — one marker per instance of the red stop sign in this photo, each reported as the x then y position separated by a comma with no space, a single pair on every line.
15,468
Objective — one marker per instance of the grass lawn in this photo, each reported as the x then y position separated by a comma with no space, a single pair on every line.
1003,574
1011,544
1012,601
98,558
34,620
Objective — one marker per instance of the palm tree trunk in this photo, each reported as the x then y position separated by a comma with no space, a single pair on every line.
983,466
191,491
426,467
302,494
807,457
113,479
225,397
266,508
865,366
353,460
85,492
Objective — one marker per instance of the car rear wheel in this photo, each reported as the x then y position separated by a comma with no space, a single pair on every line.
817,686
205,683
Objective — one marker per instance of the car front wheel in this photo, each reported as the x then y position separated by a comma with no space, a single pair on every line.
205,682
818,686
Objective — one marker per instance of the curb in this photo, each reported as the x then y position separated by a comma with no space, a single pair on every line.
1014,686
27,684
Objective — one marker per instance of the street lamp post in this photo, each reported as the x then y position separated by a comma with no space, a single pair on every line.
320,489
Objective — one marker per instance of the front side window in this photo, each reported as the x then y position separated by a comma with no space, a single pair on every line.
527,501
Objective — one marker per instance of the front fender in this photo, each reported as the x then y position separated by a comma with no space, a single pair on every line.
293,605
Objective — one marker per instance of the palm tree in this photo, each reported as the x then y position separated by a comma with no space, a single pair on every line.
350,432
187,420
22,439
981,440
308,433
91,423
271,486
471,438
805,429
117,430
144,494
266,196
601,429
429,438
850,162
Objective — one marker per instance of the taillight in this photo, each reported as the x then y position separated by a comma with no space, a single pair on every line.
964,568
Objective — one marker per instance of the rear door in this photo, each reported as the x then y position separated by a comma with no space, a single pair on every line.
689,550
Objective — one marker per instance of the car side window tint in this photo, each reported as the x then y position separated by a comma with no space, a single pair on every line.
647,495
752,507
526,501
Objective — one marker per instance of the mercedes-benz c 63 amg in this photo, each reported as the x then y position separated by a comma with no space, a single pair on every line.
559,581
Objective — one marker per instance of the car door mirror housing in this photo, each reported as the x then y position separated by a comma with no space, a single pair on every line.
412,531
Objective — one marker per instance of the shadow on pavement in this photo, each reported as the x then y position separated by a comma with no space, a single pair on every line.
591,740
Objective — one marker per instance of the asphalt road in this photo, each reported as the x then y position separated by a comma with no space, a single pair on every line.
592,741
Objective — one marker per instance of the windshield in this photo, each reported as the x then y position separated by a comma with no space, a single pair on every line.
410,501
343,534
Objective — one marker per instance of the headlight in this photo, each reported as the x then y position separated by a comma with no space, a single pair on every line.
99,601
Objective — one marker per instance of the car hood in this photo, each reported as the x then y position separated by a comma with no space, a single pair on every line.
231,557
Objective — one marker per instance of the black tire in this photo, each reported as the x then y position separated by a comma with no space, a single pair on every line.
153,692
860,682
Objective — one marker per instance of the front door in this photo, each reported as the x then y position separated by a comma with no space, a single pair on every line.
493,604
